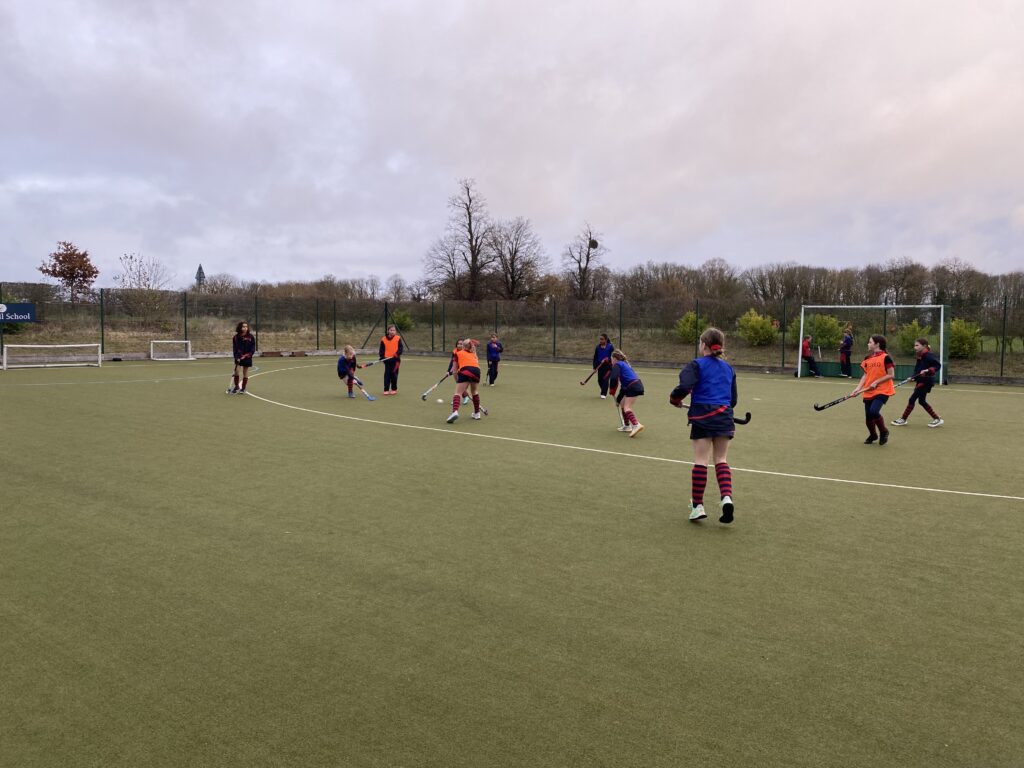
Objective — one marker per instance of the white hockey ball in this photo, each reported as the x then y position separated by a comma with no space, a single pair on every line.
440,400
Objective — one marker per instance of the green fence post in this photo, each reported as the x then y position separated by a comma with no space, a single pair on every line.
316,319
334,321
184,312
1002,353
432,322
444,326
256,316
620,324
784,320
495,318
554,328
102,344
696,327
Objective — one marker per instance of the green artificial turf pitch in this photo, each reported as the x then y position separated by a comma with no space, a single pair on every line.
293,578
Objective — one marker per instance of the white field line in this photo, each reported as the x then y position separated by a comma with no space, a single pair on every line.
226,372
450,431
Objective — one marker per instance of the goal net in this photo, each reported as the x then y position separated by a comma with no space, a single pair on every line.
901,324
51,355
170,350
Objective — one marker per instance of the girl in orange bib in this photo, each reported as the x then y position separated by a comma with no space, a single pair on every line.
877,387
467,377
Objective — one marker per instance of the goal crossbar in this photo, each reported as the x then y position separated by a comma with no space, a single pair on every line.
51,355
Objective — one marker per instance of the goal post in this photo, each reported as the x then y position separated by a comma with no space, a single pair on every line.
884,319
161,349
51,355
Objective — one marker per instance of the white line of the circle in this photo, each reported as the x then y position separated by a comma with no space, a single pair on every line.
620,453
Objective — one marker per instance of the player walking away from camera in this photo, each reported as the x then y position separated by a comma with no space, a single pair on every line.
467,379
632,388
494,350
845,351
243,347
711,384
877,386
925,370
347,366
805,353
390,350
602,359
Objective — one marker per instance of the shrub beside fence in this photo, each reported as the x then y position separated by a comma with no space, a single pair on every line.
125,321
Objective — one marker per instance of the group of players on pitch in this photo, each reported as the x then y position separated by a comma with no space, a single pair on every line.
708,380
464,366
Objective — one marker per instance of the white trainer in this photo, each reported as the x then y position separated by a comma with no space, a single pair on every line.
636,430
898,422
476,416
697,512
625,428
936,423
454,416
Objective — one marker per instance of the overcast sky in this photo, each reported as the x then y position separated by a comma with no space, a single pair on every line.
286,141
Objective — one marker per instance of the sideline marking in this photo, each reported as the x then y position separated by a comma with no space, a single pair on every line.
615,453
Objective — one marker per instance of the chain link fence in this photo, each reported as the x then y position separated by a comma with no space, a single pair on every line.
125,321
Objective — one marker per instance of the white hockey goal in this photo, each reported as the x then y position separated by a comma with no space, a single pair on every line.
160,349
51,355
884,319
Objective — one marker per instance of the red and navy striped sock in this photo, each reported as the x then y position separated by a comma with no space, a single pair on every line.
698,481
882,429
350,387
630,417
724,476
906,412
456,402
871,427
931,412
476,403
235,377
244,382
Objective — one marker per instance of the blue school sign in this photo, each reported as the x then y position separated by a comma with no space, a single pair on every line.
17,313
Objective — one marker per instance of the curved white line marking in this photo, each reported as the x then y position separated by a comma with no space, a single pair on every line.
619,453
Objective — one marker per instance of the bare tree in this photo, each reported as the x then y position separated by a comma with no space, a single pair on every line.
908,281
954,280
458,263
222,283
142,272
395,288
580,260
520,258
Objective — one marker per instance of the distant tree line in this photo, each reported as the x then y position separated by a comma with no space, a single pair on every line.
481,257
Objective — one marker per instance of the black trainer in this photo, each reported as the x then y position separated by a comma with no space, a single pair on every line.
870,440
884,438
727,508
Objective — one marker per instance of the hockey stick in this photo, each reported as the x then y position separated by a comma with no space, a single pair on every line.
843,399
744,420
591,374
231,380
369,397
838,400
424,395
374,362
